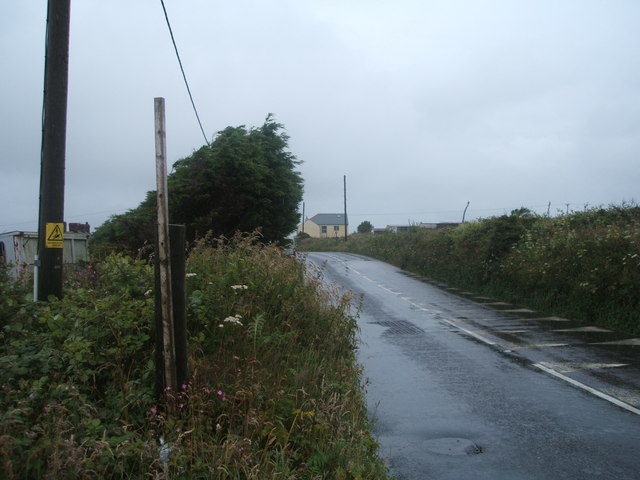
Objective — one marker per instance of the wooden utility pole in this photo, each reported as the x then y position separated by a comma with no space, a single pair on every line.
464,214
164,301
177,236
54,132
345,209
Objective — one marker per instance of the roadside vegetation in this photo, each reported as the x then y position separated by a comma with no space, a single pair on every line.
275,390
584,265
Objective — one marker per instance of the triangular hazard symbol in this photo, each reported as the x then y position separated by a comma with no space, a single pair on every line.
56,234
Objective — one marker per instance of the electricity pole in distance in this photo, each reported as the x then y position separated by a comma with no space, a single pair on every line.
345,209
54,131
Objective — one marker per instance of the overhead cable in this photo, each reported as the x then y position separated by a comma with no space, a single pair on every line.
184,76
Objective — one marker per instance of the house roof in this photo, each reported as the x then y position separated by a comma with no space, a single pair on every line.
329,219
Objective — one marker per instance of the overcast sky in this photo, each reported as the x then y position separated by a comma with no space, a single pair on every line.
424,105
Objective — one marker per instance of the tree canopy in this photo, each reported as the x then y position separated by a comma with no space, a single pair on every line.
245,180
365,227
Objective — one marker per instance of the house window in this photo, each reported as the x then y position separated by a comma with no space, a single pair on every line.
336,228
323,229
3,257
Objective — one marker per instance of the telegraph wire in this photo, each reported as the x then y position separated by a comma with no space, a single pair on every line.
184,76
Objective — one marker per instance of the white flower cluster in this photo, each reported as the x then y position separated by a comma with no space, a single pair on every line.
239,287
235,320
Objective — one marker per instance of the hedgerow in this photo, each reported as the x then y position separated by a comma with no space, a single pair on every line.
585,265
274,390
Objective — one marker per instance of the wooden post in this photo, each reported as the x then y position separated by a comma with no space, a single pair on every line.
54,132
345,209
163,251
177,235
464,214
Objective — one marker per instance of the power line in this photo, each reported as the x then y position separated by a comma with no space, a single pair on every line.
184,76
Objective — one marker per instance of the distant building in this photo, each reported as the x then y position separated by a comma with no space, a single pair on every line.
430,226
399,228
325,225
18,249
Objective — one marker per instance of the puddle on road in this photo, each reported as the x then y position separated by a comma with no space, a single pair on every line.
400,327
452,446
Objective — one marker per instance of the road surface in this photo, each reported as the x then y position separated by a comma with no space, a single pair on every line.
465,387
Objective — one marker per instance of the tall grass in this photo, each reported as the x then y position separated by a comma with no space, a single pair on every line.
585,265
274,391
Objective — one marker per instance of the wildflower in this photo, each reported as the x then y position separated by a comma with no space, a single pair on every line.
183,386
206,391
221,325
167,389
153,410
235,320
189,275
181,405
219,392
239,287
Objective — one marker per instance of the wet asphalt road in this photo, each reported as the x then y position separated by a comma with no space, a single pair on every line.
464,387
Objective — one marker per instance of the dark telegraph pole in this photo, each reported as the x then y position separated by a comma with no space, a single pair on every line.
54,130
345,209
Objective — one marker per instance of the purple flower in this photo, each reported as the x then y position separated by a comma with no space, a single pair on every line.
184,386
153,410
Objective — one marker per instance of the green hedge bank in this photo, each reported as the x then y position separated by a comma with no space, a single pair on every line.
584,265
275,390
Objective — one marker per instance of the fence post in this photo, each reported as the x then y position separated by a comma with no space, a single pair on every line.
177,240
164,298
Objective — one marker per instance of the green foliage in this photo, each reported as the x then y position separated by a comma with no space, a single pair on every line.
76,379
274,393
585,265
365,227
245,180
302,236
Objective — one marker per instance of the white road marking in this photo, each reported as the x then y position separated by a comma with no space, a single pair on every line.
585,329
568,367
540,345
551,319
541,366
470,332
586,388
630,341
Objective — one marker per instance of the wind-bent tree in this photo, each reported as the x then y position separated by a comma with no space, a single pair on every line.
245,180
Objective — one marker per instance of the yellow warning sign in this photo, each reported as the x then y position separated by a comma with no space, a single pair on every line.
54,235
